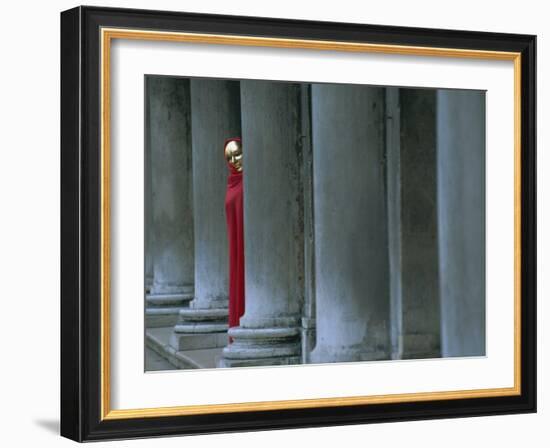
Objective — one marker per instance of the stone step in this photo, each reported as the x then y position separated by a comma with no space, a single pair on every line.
154,361
208,358
157,340
196,341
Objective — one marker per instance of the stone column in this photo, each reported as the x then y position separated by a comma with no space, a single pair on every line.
216,115
420,333
351,251
149,234
168,133
393,191
308,312
461,220
269,331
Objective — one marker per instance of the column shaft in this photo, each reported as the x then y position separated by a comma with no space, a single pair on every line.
351,253
168,134
273,230
461,218
419,254
308,312
393,179
149,233
215,106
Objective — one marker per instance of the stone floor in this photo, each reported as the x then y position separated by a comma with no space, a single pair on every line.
153,361
160,356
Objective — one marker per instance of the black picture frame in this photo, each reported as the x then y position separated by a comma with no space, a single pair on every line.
81,224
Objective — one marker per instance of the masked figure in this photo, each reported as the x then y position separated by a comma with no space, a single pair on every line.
235,235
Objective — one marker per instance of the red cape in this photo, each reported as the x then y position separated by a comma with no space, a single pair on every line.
235,236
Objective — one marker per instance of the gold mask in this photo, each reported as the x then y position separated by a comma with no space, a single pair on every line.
234,154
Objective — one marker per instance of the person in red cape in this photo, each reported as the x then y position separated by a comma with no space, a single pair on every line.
235,224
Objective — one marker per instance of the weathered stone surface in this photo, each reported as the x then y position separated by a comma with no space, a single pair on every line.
164,300
157,340
351,255
393,193
461,220
272,202
259,362
198,341
308,310
419,253
163,309
161,317
203,314
273,224
200,328
215,108
256,346
216,115
168,139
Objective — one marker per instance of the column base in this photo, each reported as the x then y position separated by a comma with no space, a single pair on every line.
162,310
419,346
308,338
258,362
322,355
200,328
262,347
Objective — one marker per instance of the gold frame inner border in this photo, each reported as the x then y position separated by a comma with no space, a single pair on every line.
107,35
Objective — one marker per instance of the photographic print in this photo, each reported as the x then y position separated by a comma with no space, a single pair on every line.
305,223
